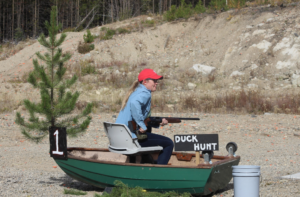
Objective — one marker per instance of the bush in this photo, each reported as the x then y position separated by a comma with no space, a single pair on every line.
218,4
148,23
69,29
109,33
123,31
88,69
85,47
74,192
199,8
19,34
123,190
183,11
89,38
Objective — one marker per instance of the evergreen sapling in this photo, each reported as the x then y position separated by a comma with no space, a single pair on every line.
56,103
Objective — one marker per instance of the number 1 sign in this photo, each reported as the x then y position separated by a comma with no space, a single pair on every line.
58,142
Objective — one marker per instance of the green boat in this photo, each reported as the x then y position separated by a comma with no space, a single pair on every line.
101,168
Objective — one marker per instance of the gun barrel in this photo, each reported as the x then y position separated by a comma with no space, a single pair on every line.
182,118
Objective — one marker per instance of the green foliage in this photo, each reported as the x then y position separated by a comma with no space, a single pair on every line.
69,29
89,38
55,103
199,8
148,23
123,190
74,192
87,69
218,4
18,34
109,33
85,47
183,11
123,31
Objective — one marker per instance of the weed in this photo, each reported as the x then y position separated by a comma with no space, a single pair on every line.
123,31
69,29
109,33
86,67
148,23
85,47
88,38
122,189
74,192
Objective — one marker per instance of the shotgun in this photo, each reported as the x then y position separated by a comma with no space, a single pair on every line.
155,121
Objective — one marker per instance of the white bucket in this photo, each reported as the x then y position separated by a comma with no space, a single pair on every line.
246,181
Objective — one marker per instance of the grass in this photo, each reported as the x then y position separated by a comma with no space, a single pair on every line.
9,49
74,192
123,190
85,47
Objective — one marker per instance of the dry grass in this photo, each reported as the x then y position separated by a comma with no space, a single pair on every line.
9,49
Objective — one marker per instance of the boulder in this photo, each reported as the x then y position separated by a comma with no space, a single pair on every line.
252,86
236,73
205,70
295,80
192,86
264,45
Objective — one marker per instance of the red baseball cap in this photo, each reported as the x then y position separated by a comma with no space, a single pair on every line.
148,73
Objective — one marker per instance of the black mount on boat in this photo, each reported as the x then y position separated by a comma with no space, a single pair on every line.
231,147
210,156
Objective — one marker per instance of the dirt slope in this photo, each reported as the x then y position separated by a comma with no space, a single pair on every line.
251,48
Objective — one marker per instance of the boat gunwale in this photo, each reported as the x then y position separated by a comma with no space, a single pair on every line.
225,159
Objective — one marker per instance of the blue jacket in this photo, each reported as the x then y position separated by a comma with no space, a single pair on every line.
137,108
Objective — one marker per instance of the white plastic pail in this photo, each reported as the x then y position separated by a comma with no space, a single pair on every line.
246,181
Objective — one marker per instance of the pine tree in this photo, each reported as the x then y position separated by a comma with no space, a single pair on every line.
56,104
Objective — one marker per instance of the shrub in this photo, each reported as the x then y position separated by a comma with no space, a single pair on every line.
199,8
123,31
19,34
183,11
123,190
88,38
148,23
69,29
218,4
88,69
85,47
108,34
74,192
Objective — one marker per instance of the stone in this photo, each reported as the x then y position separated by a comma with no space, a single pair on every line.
284,43
236,73
205,70
288,64
260,24
264,45
254,66
249,26
270,20
236,88
259,31
149,18
252,86
192,86
295,80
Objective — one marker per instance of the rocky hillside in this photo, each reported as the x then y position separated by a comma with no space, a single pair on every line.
256,48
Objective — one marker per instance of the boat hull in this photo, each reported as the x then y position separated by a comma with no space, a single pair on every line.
161,178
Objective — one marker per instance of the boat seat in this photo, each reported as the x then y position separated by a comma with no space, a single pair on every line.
120,141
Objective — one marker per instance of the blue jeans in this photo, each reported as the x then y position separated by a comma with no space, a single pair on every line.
159,140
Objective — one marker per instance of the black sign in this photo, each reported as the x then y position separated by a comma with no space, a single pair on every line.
201,142
58,142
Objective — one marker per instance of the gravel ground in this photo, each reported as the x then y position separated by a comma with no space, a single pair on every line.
268,140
